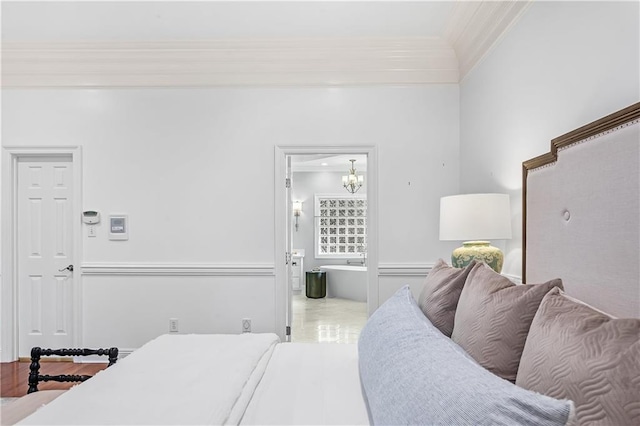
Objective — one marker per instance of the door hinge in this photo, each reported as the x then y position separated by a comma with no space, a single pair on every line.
288,330
287,258
287,183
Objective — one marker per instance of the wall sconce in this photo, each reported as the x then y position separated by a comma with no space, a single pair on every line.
297,209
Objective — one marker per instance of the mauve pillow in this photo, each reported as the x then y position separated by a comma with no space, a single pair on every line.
494,316
440,293
577,352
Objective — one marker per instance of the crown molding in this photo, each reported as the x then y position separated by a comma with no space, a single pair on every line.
474,28
229,62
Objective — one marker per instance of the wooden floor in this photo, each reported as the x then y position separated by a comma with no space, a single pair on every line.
14,375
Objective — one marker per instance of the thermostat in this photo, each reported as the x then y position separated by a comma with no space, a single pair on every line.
91,217
118,227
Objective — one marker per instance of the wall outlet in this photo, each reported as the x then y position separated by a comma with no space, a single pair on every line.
173,325
246,325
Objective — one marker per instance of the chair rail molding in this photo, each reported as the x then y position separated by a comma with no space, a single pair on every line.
177,269
516,279
420,270
404,269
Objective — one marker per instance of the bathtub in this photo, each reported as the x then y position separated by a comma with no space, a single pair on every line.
346,282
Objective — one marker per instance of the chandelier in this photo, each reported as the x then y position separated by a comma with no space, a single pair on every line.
353,182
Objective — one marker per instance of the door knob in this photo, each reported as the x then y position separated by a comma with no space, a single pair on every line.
68,268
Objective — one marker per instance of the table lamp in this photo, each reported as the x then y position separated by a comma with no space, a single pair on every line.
475,219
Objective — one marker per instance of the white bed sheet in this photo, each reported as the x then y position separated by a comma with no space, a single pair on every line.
309,383
173,380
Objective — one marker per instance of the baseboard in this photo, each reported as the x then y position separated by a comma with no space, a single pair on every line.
46,359
96,359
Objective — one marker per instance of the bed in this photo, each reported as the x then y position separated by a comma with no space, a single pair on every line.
474,348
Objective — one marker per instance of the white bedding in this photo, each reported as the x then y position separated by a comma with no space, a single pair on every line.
218,379
174,379
309,383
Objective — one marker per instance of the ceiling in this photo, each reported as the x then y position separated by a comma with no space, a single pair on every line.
240,43
201,20
328,163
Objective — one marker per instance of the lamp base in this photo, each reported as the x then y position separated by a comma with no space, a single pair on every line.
478,250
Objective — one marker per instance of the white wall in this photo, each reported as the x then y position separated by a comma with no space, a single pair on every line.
563,65
194,170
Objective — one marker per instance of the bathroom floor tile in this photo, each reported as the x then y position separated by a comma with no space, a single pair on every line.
326,320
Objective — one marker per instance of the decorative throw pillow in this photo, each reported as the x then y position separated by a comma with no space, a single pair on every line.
493,318
440,293
575,351
412,374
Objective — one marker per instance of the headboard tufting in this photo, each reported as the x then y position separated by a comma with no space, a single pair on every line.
581,213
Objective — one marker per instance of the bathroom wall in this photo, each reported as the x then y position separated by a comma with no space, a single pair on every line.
563,65
305,186
194,170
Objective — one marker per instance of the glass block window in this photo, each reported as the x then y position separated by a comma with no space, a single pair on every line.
341,225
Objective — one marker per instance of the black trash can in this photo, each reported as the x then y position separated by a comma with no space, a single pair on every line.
316,284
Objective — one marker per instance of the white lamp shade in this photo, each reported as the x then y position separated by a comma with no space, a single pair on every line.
297,206
472,217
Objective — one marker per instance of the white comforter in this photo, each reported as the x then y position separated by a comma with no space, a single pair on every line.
153,386
309,384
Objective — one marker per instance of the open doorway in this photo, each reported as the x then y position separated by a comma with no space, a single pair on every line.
338,312
329,247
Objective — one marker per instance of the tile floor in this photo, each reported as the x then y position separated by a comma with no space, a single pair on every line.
326,320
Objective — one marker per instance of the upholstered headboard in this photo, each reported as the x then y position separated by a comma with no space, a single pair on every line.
581,213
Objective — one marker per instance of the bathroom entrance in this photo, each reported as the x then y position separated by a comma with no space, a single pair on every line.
329,247
329,240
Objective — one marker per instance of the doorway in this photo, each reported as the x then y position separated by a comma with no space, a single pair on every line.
291,300
329,241
41,296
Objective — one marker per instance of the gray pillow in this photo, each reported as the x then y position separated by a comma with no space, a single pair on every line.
440,293
493,318
412,374
574,351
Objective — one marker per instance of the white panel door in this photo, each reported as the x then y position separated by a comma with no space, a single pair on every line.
45,245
